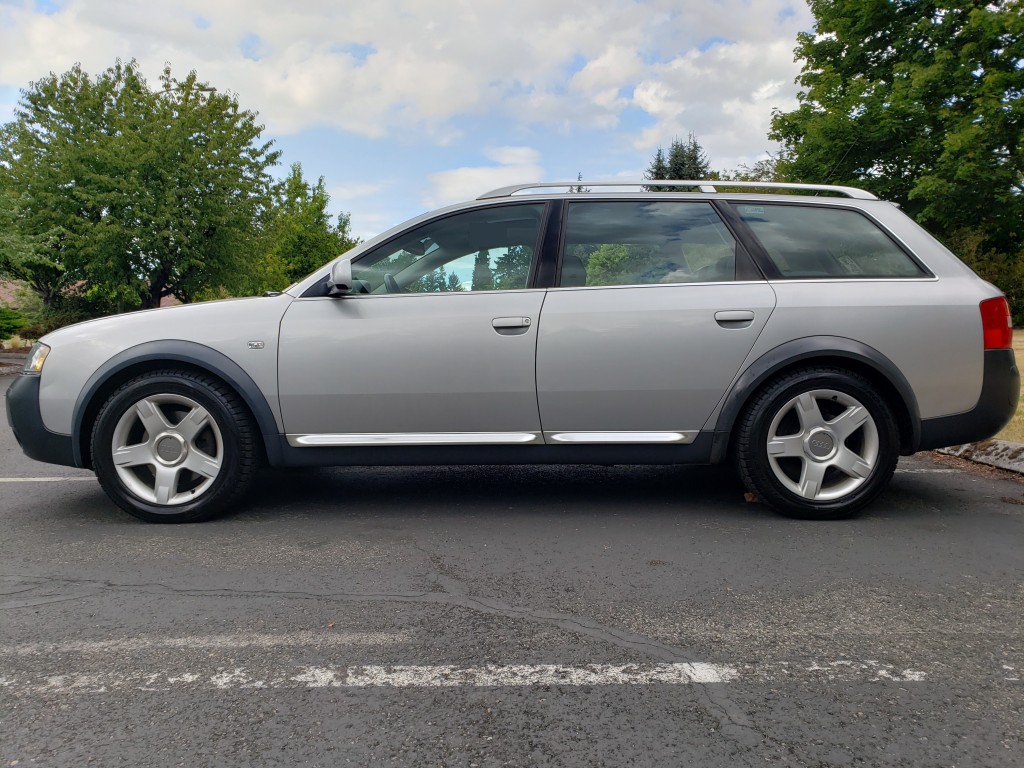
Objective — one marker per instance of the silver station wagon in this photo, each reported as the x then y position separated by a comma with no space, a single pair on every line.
811,338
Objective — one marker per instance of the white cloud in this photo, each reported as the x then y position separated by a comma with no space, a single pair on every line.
724,96
514,165
590,85
391,67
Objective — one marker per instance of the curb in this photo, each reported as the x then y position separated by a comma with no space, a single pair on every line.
994,453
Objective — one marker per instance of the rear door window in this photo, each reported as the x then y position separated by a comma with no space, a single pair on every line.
645,243
807,242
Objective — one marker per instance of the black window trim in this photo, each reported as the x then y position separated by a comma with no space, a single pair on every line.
773,273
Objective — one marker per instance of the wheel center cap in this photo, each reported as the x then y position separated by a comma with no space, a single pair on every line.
170,449
821,444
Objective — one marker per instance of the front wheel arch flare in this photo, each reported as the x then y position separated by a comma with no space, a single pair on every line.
159,355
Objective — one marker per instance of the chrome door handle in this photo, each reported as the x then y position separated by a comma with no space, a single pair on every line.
510,322
734,318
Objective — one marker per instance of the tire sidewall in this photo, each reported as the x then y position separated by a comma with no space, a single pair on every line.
219,492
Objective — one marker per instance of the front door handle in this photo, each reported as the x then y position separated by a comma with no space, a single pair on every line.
511,326
734,318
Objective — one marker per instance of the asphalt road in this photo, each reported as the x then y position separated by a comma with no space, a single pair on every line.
479,616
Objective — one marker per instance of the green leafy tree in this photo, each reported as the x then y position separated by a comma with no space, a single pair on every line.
132,192
299,234
921,102
765,170
623,264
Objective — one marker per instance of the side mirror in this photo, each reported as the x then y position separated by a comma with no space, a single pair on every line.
341,277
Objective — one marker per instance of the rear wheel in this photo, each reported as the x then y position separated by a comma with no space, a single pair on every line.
817,443
174,446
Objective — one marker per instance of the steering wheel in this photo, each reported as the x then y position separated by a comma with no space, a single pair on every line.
390,284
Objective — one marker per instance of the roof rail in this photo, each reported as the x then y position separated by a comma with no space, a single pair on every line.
708,187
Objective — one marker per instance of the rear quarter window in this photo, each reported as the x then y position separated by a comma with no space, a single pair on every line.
807,242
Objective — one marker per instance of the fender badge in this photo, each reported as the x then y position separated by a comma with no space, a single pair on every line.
255,345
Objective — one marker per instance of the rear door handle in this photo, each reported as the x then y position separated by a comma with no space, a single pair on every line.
511,326
734,318
510,322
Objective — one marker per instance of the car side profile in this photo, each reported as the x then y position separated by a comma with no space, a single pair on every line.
811,338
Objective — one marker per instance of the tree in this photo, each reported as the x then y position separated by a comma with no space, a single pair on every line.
578,188
133,193
658,169
622,264
483,275
921,102
762,170
437,281
686,161
10,322
512,268
299,235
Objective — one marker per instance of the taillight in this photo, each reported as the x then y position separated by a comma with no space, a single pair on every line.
997,324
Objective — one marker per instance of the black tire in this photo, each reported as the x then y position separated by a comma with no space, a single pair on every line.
802,449
196,417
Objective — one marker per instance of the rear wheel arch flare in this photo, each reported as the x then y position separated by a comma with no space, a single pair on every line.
835,352
161,355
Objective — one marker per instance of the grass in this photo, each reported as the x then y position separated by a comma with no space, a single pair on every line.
1014,431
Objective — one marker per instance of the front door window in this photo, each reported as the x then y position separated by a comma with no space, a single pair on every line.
488,249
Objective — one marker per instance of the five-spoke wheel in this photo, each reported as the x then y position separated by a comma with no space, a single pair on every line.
167,449
817,443
174,446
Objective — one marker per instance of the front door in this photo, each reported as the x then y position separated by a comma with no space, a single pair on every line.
436,344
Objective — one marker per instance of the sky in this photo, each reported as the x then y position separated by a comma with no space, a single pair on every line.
407,105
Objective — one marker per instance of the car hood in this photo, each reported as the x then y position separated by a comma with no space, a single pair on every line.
178,322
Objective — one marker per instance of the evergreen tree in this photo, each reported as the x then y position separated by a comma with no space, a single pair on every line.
686,161
483,275
578,188
512,269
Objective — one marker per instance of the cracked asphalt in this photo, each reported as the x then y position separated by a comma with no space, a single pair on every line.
359,616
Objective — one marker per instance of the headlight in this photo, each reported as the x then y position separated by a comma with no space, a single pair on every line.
36,358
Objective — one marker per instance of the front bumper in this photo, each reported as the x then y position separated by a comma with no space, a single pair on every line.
35,439
1000,391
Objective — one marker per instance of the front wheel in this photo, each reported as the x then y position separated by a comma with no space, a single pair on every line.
174,447
817,444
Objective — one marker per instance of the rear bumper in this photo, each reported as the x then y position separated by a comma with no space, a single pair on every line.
1000,391
35,439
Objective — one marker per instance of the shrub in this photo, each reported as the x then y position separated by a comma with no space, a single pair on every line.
10,322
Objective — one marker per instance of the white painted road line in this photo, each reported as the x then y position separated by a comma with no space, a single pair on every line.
924,471
450,676
245,640
76,478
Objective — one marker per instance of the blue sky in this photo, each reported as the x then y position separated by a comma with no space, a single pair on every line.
406,105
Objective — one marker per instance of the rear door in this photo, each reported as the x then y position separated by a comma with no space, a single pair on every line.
655,308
